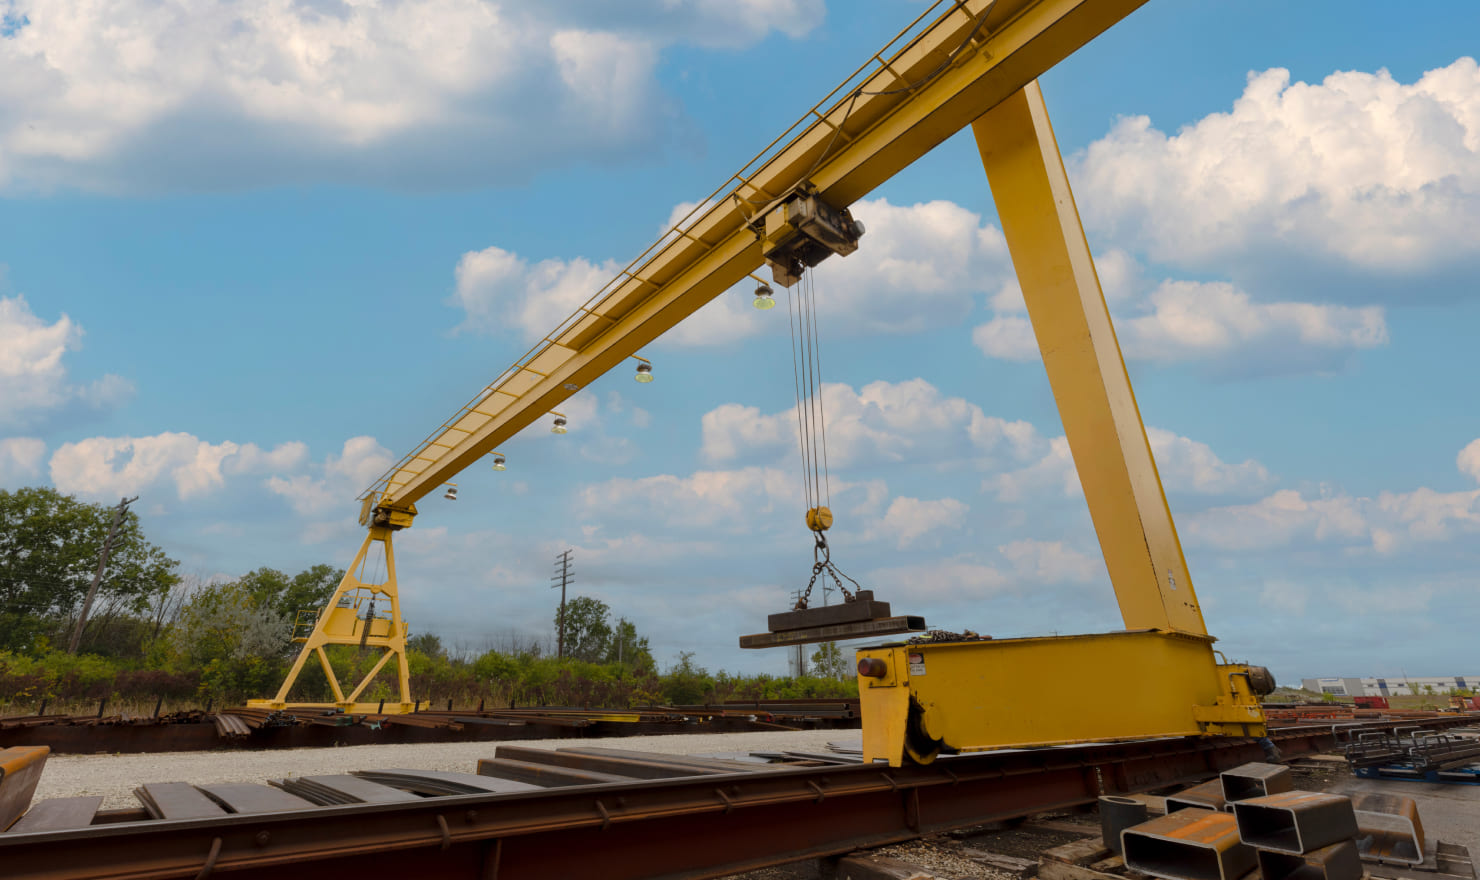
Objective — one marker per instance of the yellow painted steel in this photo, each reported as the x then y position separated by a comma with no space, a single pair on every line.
959,697
347,620
1159,678
1085,368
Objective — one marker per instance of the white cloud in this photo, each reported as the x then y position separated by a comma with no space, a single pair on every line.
912,522
1469,459
34,383
1186,320
960,580
1051,562
1008,337
1185,465
733,501
1358,169
102,467
936,256
1387,524
135,95
1211,322
20,459
1189,466
338,482
498,289
882,421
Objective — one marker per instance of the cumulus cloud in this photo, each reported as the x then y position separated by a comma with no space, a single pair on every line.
34,384
1469,459
1386,524
20,459
1358,170
1188,319
336,483
1185,465
938,256
1213,323
102,467
882,421
1051,562
732,501
913,522
134,95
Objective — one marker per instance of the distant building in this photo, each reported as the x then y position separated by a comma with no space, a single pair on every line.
1404,686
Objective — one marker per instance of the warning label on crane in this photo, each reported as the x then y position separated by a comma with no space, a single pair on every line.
917,664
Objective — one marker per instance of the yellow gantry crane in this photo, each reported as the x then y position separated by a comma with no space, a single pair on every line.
960,63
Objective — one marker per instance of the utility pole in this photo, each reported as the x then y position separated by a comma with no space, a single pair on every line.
564,575
92,590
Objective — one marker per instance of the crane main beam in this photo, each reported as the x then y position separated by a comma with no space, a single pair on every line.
943,74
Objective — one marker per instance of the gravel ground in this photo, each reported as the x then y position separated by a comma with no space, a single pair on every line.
115,776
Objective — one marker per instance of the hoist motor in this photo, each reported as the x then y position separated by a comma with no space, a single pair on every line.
801,231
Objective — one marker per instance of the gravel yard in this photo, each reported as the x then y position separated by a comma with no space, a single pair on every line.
116,776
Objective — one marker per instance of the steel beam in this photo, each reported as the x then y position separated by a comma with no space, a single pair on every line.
1085,369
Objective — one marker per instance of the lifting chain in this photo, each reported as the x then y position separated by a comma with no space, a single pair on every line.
822,561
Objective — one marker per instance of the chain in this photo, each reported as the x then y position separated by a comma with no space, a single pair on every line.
822,561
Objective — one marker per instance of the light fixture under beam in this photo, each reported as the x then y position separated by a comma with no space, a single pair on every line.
763,299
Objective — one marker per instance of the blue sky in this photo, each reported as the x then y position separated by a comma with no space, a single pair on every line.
255,251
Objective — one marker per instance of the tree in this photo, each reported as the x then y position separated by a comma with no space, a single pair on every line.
587,634
828,662
49,547
429,644
308,589
628,648
239,643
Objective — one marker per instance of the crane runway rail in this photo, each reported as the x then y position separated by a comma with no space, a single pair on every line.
253,728
586,811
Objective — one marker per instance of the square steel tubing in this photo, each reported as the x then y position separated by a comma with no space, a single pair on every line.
1190,844
1254,780
1388,829
1339,861
1208,796
1295,822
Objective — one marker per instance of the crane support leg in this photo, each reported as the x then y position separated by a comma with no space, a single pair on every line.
1160,676
361,614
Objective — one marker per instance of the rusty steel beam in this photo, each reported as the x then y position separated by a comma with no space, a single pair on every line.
692,827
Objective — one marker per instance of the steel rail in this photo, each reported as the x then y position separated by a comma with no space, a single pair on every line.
693,827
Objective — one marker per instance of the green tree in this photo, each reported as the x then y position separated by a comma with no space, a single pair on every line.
239,642
828,662
587,634
686,683
627,647
308,589
49,548
429,644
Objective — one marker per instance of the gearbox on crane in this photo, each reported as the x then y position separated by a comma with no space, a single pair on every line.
802,231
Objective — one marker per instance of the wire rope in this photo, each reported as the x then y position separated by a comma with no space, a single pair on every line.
797,381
